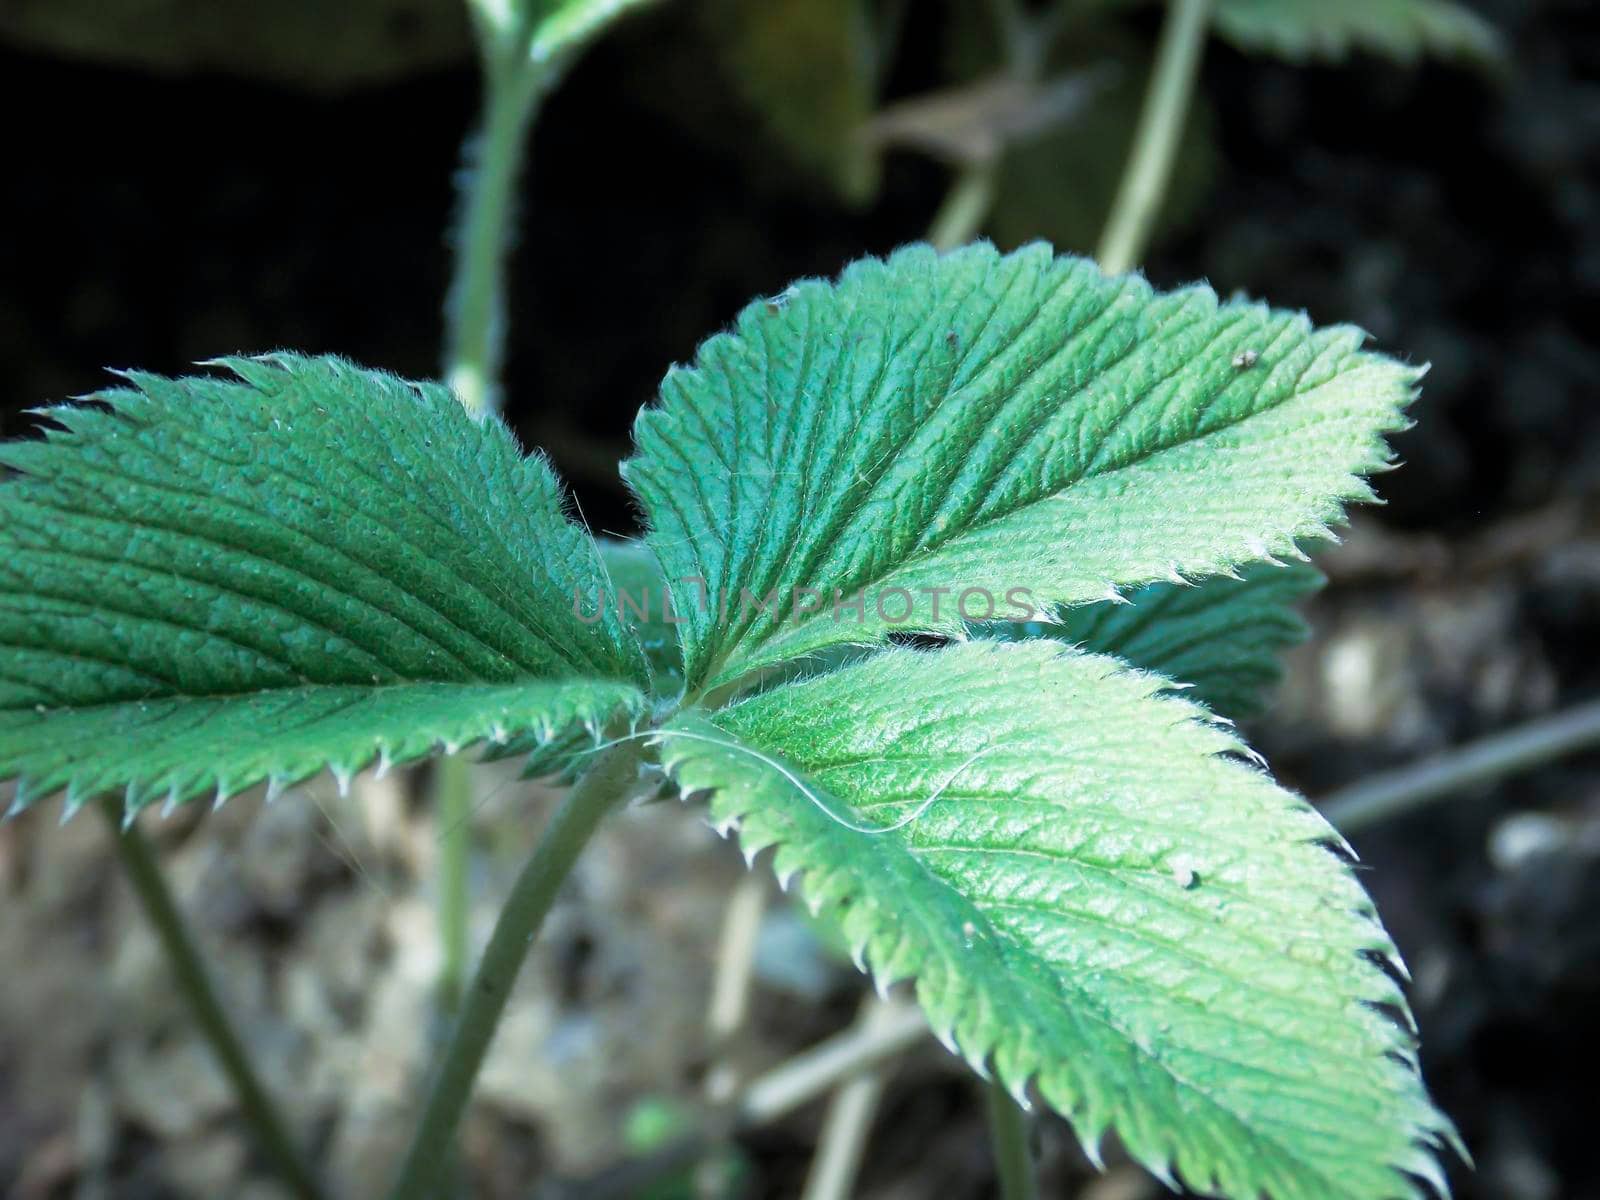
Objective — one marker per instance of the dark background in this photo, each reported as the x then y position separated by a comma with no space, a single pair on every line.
157,219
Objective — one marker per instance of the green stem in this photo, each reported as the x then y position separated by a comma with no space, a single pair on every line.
965,207
189,974
569,831
474,313
453,814
1166,105
1008,1134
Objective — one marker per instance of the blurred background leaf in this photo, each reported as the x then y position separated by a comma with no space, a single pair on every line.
302,43
810,69
1404,30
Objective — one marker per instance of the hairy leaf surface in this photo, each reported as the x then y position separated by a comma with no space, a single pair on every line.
1101,899
1405,30
636,593
1221,637
207,582
973,424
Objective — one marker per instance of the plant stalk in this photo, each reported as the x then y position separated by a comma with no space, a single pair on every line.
1393,793
474,336
1155,143
829,1063
730,986
605,784
964,209
194,982
453,815
475,309
848,1124
1008,1133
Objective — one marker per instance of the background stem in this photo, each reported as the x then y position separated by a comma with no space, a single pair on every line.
848,1123
730,986
568,832
192,980
1166,106
1008,1133
1392,793
453,814
964,208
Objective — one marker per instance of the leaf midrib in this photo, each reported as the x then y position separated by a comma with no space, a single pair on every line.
841,512
738,650
745,652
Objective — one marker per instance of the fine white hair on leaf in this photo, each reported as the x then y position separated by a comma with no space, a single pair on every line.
815,798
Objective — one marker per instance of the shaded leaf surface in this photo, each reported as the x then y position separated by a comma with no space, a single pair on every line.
207,582
1222,636
1104,901
635,591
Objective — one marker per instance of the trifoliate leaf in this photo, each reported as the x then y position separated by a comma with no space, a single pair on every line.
1094,894
1405,30
208,582
1221,637
972,436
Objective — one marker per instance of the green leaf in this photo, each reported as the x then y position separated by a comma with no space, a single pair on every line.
208,582
1100,898
1405,30
991,426
808,68
1221,637
635,590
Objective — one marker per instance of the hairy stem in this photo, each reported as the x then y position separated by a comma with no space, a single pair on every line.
1393,793
1166,105
1008,1133
474,334
189,974
569,831
474,313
